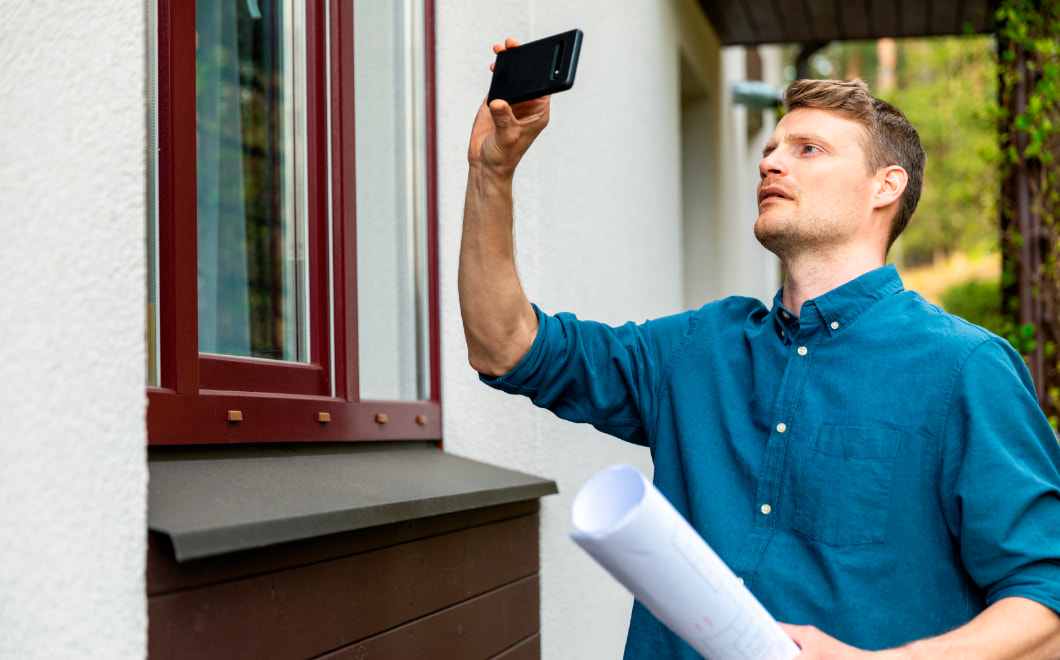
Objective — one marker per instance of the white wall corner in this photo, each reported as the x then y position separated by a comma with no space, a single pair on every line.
73,475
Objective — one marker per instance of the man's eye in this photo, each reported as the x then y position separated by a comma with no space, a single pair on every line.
809,148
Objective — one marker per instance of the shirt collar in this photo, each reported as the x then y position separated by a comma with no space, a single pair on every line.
843,305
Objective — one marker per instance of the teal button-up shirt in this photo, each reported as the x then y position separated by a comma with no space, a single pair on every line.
876,467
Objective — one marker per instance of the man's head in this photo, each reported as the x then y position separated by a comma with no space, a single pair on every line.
888,138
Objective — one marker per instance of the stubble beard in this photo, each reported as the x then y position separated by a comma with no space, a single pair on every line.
795,235
785,237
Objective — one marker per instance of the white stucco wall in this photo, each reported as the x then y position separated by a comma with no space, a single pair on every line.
72,436
599,232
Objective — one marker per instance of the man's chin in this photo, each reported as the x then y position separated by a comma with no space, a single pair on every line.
767,226
774,237
771,214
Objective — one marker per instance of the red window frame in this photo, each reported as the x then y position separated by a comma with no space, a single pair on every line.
210,399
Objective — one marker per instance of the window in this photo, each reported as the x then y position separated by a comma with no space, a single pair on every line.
291,238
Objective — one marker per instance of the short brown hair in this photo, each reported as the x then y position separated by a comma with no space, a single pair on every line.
889,137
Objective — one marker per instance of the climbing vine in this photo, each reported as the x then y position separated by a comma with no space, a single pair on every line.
1028,118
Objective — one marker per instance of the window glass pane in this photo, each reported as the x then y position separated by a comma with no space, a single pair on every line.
391,207
250,164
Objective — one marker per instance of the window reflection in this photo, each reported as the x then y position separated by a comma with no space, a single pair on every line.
250,180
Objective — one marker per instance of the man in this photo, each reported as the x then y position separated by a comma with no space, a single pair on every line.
876,471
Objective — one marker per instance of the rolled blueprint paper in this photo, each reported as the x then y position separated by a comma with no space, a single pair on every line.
634,532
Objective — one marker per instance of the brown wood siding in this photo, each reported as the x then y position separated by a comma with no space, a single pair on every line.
528,649
481,627
458,586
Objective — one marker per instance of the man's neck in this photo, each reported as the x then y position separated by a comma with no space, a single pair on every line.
812,276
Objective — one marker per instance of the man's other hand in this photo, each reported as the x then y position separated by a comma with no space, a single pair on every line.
816,645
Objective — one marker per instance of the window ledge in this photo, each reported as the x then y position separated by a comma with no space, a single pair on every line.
212,501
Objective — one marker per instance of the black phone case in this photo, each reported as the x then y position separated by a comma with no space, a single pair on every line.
537,68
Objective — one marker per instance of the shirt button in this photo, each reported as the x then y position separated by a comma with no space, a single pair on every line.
835,325
766,509
781,427
802,350
740,579
785,314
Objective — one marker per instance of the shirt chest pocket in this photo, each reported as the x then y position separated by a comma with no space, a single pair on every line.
843,489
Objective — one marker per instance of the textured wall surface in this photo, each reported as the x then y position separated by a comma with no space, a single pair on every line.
599,232
598,206
72,465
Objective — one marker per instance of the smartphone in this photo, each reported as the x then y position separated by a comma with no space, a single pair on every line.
537,68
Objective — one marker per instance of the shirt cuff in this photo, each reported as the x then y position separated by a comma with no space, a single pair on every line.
514,381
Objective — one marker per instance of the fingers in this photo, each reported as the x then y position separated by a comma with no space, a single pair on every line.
499,48
508,43
534,111
519,123
503,133
794,632
817,644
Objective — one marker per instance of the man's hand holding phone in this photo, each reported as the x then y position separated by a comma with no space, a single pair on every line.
517,107
536,69
502,133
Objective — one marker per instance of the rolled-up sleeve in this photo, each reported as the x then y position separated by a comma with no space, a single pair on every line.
1000,485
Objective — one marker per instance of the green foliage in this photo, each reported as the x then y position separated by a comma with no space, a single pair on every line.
1028,119
978,301
947,87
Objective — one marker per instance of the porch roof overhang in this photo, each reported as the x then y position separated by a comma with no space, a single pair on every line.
752,22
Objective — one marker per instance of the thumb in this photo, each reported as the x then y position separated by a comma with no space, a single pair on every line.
501,113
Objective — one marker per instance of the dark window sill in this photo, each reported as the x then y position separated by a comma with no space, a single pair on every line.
215,500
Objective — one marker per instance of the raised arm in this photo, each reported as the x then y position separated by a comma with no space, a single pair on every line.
499,323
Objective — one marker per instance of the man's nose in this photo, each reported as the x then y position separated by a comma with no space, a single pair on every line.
771,163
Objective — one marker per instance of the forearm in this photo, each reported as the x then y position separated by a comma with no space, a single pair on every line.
499,323
1009,629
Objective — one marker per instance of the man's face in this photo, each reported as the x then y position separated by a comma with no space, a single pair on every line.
814,192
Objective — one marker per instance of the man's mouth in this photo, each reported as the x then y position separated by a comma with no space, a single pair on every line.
772,192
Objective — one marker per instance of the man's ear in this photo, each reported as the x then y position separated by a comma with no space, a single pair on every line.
890,184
